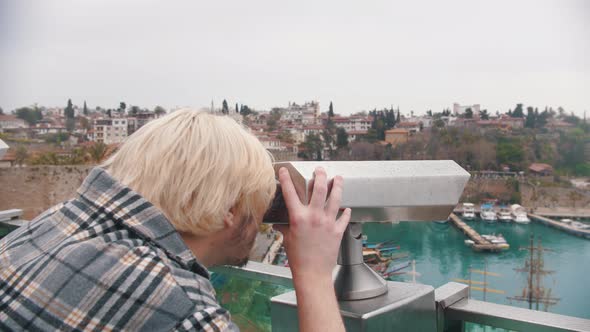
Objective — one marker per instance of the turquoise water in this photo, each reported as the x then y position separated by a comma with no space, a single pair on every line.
441,255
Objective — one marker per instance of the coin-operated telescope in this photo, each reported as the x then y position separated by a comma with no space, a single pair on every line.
376,191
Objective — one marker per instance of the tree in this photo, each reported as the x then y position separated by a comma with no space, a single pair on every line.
245,110
70,116
331,110
21,154
484,115
237,110
29,115
341,138
159,110
529,122
122,107
85,109
134,110
85,124
97,151
1,111
224,107
468,113
518,112
313,147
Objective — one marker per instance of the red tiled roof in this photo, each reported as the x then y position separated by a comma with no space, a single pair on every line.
540,167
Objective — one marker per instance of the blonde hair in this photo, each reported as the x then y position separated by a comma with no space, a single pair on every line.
195,167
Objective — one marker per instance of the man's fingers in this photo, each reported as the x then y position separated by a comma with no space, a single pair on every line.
343,221
335,198
289,193
320,189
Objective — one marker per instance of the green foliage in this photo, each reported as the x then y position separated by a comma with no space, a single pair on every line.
313,146
518,112
341,138
97,151
85,109
30,115
484,115
286,136
331,110
21,154
245,110
510,152
122,107
468,113
70,115
134,110
273,120
159,110
224,107
57,138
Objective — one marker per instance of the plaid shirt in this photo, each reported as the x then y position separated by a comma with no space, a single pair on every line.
106,260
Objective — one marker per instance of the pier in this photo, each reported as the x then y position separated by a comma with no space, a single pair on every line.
480,244
563,212
561,226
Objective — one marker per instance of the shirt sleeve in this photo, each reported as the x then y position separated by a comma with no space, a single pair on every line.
208,319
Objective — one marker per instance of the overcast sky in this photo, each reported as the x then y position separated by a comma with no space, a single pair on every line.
419,55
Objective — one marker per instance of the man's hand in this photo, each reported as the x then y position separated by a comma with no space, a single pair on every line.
312,240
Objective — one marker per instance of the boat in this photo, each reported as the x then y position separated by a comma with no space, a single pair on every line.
495,239
469,243
576,224
504,215
393,267
519,214
468,211
487,213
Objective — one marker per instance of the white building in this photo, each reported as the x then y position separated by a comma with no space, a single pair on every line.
307,113
460,109
11,122
110,131
353,123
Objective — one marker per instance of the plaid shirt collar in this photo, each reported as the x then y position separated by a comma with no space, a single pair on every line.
105,195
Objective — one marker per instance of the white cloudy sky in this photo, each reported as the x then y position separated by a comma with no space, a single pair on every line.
419,55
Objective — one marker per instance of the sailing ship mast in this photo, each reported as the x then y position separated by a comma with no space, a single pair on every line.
534,292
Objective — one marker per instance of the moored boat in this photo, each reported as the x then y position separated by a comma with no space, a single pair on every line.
468,211
504,215
487,213
519,214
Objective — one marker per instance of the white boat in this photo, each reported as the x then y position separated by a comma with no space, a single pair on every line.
576,224
519,214
469,243
487,213
495,239
468,211
504,215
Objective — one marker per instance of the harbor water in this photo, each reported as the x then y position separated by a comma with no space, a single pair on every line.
441,256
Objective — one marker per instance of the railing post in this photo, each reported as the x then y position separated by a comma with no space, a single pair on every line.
445,296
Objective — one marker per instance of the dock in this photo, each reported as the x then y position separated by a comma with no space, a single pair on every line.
561,226
563,212
480,244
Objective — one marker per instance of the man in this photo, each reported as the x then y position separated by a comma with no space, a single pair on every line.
184,193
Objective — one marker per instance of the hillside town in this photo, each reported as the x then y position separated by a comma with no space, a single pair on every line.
525,140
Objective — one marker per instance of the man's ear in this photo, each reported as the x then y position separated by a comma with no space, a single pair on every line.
228,219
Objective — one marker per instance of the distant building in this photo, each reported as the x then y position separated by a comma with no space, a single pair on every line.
11,122
307,113
460,109
411,127
397,136
354,123
541,169
109,131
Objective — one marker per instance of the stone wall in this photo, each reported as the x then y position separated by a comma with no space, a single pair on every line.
34,189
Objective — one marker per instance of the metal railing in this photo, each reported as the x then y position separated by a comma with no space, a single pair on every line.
452,305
